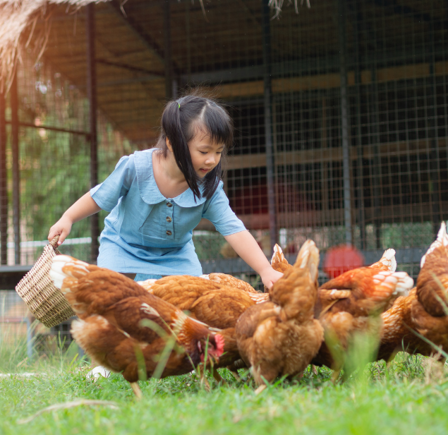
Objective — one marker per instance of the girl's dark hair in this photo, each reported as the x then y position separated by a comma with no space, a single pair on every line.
181,120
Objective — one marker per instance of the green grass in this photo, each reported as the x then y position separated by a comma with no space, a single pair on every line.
411,397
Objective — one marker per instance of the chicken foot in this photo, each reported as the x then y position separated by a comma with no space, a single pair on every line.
202,379
218,378
439,359
335,375
233,368
260,389
236,375
137,391
391,358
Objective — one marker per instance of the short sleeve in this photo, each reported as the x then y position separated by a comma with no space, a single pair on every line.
217,210
116,185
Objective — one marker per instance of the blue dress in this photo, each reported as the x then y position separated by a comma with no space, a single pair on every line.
148,234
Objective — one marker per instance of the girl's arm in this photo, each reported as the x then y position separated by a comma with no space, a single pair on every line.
85,206
247,248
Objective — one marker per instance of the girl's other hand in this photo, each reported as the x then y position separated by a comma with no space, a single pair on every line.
62,228
270,277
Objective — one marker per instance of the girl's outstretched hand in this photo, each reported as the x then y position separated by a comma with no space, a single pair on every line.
270,276
62,228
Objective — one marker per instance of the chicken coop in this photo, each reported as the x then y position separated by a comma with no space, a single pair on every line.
340,113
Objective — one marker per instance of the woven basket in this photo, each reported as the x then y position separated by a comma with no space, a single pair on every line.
44,300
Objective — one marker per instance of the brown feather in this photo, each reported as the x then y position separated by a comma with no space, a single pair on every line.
211,301
119,316
281,337
368,291
424,311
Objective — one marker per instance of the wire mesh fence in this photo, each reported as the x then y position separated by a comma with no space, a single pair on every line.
358,116
341,107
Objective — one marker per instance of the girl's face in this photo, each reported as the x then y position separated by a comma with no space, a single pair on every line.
205,155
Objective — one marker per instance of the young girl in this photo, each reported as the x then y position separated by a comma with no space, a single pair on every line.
158,196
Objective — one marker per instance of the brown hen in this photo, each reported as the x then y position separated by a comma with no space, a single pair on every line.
230,281
360,296
281,337
222,279
418,323
279,261
325,298
395,334
212,302
119,321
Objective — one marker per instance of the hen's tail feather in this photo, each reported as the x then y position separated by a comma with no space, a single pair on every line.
391,284
296,292
308,257
56,273
387,260
64,266
86,286
442,240
278,256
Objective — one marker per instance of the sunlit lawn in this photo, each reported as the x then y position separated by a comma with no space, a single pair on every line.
409,397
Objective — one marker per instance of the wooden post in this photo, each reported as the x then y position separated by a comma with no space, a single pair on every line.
167,47
15,166
3,180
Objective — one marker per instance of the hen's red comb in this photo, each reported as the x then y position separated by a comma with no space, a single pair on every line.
219,339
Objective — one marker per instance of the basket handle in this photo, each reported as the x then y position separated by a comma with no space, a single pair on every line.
54,241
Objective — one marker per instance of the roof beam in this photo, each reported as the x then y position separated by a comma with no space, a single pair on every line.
304,66
130,67
149,42
412,13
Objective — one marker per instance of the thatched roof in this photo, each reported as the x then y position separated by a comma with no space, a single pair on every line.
17,21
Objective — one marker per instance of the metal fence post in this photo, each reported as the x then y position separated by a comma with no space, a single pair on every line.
344,123
3,180
266,40
433,139
93,137
357,18
29,338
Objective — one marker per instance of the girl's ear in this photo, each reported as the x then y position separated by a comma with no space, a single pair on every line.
168,144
